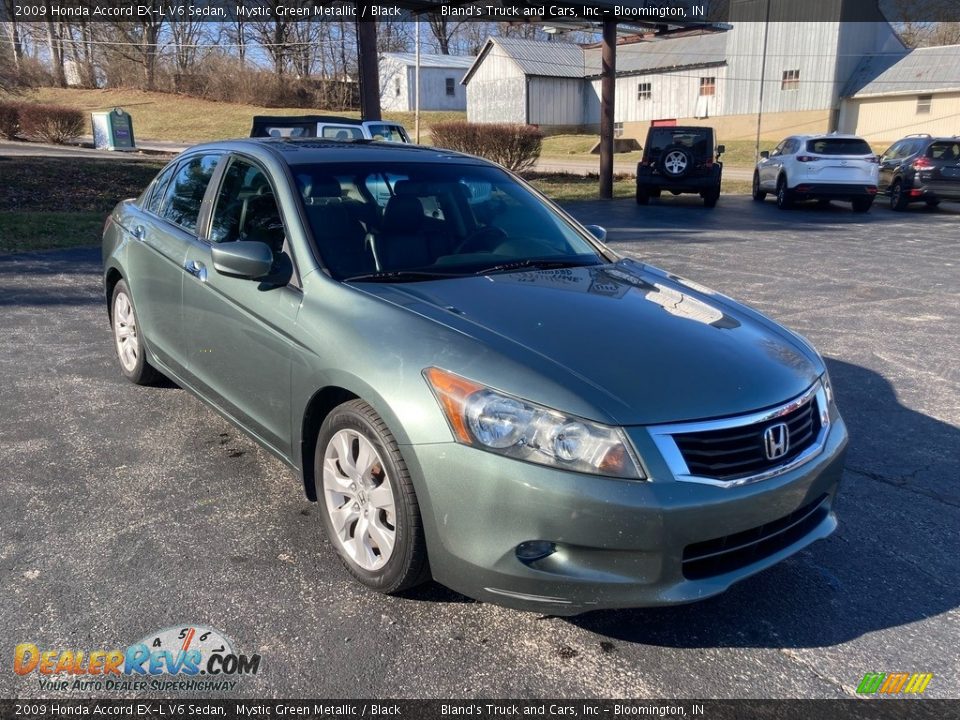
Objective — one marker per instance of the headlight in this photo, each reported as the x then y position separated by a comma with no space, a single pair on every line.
503,424
827,387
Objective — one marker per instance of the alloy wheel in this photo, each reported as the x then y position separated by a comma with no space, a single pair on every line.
359,500
125,332
675,162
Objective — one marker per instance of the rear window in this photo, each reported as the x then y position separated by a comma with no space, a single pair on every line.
839,146
944,151
692,138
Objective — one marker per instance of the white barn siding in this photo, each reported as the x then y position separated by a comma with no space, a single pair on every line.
433,89
555,101
673,95
394,93
497,91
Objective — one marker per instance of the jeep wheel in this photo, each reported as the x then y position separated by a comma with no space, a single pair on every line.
898,198
758,194
784,196
676,161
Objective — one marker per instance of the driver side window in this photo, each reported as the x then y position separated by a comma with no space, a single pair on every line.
247,208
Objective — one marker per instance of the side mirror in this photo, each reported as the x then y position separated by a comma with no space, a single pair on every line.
721,149
598,232
764,154
243,258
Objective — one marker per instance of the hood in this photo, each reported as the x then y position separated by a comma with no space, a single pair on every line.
651,347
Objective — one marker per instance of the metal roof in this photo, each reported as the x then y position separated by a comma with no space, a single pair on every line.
560,59
431,59
664,54
535,57
927,69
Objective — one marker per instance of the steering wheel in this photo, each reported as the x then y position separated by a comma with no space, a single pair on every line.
482,240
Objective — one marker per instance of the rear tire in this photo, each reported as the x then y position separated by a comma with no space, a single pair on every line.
758,194
367,501
784,196
128,338
898,198
862,205
711,197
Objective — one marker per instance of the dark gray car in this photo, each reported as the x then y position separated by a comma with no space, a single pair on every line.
473,386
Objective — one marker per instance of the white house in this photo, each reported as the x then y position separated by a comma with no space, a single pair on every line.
891,96
440,76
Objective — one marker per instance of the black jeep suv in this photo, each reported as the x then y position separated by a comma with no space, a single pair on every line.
680,160
920,168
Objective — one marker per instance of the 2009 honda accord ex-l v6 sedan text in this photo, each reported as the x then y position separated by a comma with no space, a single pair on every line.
472,386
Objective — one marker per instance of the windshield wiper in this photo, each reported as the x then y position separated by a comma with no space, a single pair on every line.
399,276
533,264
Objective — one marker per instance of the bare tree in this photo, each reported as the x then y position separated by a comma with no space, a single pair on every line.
13,35
443,30
55,45
185,36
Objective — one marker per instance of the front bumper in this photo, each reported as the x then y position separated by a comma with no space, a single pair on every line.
618,543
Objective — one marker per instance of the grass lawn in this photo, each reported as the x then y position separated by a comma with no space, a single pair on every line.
166,116
55,203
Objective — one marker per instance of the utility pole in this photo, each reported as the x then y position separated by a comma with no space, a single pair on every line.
763,77
416,82
608,84
368,62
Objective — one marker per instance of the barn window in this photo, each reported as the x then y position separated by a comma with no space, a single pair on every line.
791,80
708,86
451,89
923,104
644,91
618,129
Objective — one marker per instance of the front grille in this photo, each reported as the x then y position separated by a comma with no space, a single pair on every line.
733,552
737,452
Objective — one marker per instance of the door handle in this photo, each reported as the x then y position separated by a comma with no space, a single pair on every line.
197,269
139,232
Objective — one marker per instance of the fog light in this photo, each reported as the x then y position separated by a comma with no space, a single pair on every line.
534,550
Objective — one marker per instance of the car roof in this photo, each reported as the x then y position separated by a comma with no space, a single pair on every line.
302,151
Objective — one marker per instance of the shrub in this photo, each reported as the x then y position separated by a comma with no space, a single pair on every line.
516,147
52,123
10,119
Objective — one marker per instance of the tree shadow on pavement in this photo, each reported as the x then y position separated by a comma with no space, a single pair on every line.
891,562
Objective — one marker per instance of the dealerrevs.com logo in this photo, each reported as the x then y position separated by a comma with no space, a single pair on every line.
189,658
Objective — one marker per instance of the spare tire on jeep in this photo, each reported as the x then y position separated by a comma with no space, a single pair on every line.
675,161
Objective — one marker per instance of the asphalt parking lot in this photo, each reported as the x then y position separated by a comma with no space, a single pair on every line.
124,510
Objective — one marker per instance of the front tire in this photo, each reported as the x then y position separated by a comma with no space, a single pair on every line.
367,502
758,194
128,339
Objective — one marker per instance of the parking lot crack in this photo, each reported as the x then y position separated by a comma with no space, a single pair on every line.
902,483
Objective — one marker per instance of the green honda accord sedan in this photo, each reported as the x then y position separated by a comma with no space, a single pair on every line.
472,386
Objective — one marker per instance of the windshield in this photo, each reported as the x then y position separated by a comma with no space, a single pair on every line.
436,220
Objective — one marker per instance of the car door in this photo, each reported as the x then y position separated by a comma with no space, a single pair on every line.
770,167
239,331
889,162
162,231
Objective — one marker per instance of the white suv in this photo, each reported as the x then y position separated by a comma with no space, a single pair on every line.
824,167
